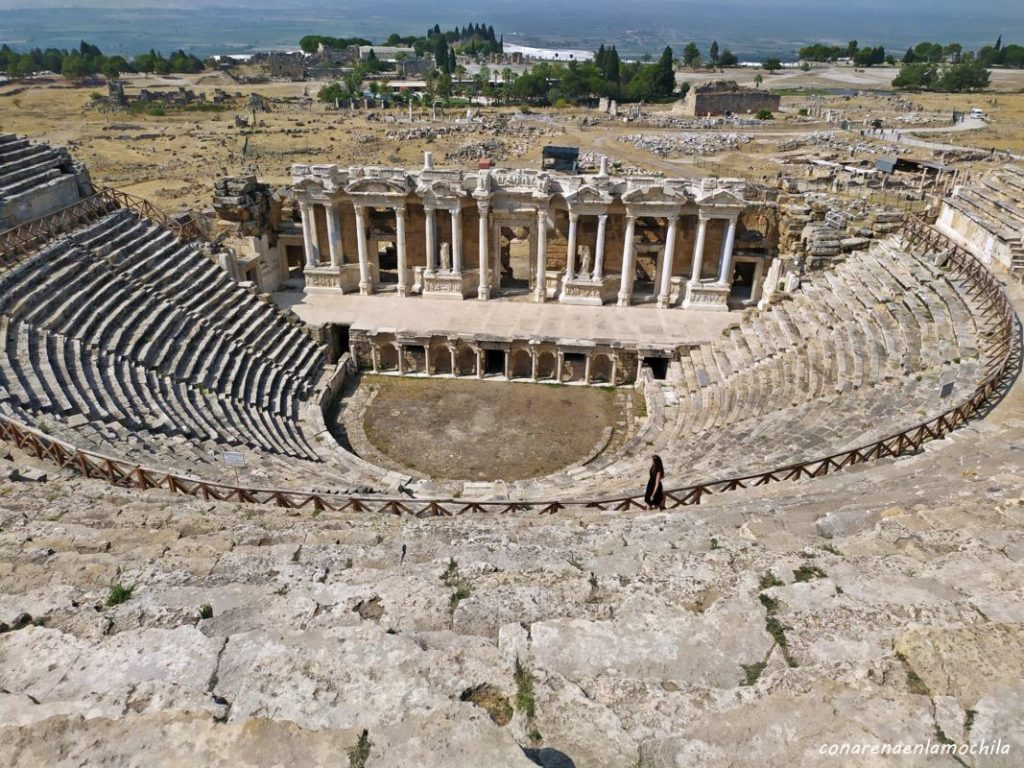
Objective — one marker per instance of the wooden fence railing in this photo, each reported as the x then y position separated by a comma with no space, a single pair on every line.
1001,347
17,242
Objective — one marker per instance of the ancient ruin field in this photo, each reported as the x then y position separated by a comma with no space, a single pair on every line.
171,158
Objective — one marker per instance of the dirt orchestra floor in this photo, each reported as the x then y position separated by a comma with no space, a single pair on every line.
485,430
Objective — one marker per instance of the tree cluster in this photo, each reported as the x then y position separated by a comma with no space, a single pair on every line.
948,78
1000,55
716,57
88,61
606,75
933,53
823,52
869,57
312,43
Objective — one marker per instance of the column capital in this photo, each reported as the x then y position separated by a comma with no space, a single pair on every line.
602,217
573,216
399,209
483,205
704,216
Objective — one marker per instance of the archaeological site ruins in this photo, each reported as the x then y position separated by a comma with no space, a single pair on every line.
348,468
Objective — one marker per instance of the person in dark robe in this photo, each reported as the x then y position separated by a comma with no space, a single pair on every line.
655,495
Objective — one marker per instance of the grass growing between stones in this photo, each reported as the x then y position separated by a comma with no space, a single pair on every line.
752,672
776,628
808,572
119,593
523,677
360,753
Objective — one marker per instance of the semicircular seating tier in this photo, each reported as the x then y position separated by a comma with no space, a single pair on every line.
122,339
876,343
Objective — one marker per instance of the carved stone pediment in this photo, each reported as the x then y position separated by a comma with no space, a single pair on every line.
653,195
440,191
587,195
377,185
721,198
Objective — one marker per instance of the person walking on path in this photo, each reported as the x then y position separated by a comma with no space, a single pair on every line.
655,495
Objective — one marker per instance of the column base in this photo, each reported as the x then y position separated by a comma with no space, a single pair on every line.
483,294
450,285
663,302
582,291
624,300
707,297
326,278
365,289
403,291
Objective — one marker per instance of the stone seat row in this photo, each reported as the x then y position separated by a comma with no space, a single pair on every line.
846,360
865,343
148,255
985,213
120,321
776,438
33,162
123,319
1003,196
48,373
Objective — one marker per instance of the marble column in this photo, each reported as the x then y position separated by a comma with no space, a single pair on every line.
456,240
570,256
540,289
602,225
484,289
309,238
365,284
431,231
665,288
626,284
334,235
698,250
403,266
725,260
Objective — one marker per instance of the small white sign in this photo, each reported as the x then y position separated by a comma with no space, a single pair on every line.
233,458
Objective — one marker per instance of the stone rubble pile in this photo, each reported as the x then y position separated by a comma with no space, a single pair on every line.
815,227
249,203
686,143
590,161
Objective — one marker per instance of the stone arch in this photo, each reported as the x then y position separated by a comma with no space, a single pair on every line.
387,356
414,358
574,366
440,359
465,360
601,368
547,364
521,364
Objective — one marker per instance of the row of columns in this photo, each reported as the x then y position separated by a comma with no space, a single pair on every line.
628,273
